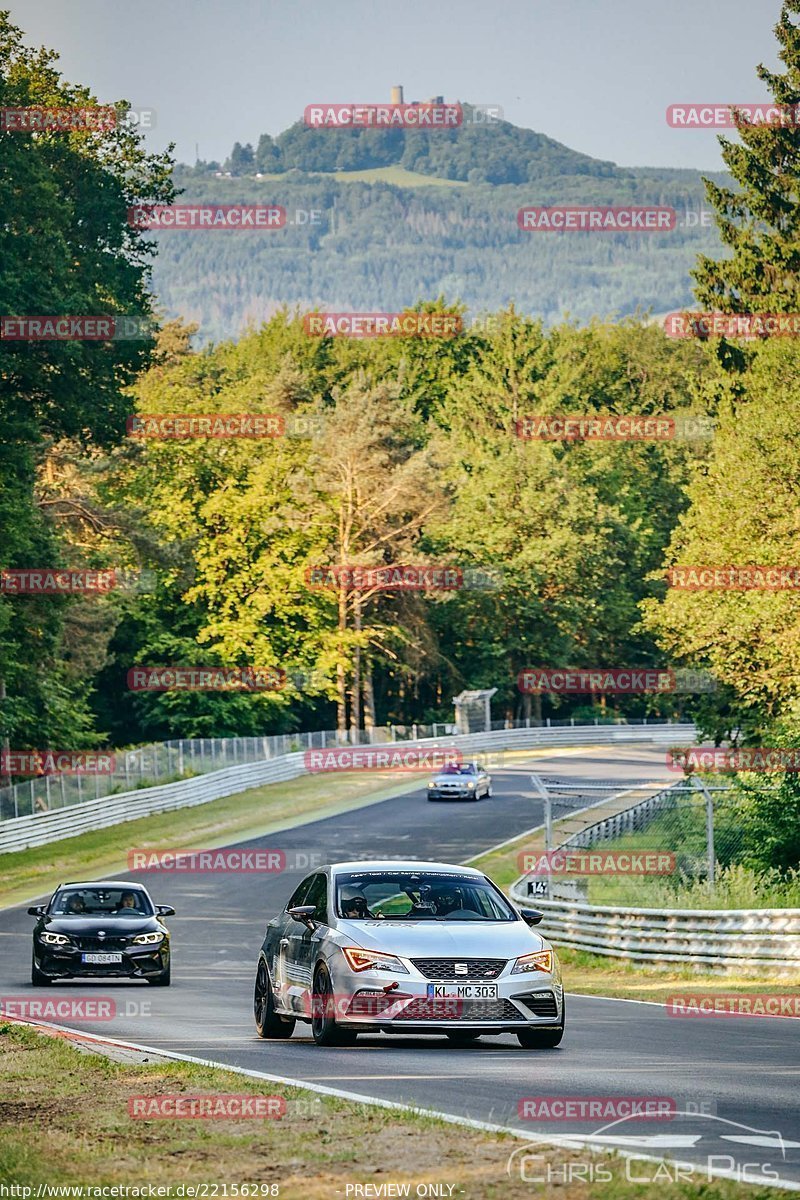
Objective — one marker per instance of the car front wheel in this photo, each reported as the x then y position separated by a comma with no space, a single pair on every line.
542,1039
269,1024
38,978
163,979
324,1028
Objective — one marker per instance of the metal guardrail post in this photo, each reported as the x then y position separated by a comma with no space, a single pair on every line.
548,811
699,786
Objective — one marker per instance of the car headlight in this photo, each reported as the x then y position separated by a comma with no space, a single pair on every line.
54,939
366,960
432,783
470,784
148,939
540,960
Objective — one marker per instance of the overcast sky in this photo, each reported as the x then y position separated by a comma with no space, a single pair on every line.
595,74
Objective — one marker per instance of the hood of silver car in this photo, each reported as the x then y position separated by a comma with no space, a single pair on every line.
444,939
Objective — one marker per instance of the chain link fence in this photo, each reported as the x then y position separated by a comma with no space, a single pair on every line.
646,845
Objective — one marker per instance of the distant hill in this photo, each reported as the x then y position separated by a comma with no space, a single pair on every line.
399,216
473,153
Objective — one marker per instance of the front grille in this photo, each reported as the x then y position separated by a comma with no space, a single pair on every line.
95,943
541,1004
459,1010
443,970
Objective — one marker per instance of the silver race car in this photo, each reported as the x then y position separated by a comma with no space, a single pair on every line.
460,781
407,947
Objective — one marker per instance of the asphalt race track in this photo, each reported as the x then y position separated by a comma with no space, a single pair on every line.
745,1072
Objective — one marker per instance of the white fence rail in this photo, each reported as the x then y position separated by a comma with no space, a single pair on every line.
39,829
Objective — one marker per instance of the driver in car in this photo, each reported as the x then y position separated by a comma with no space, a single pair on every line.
354,906
75,904
447,900
127,901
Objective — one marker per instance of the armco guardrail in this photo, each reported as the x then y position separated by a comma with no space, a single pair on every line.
720,939
18,833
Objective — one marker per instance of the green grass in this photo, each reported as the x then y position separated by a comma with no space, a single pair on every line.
734,887
25,874
64,1121
399,176
596,975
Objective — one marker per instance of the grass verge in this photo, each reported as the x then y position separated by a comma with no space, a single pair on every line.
64,1121
25,874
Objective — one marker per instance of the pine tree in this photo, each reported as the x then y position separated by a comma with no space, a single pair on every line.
761,221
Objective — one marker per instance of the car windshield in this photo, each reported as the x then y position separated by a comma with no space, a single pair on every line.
459,769
419,896
101,902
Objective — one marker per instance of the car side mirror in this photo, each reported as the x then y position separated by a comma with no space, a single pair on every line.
303,913
36,911
531,916
165,910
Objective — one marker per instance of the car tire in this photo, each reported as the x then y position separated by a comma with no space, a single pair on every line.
38,978
488,793
543,1039
462,1037
162,980
324,1028
269,1024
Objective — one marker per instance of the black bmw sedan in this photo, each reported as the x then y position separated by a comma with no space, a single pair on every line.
101,929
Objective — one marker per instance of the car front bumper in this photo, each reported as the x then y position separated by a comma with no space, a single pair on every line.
452,793
522,1002
137,963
